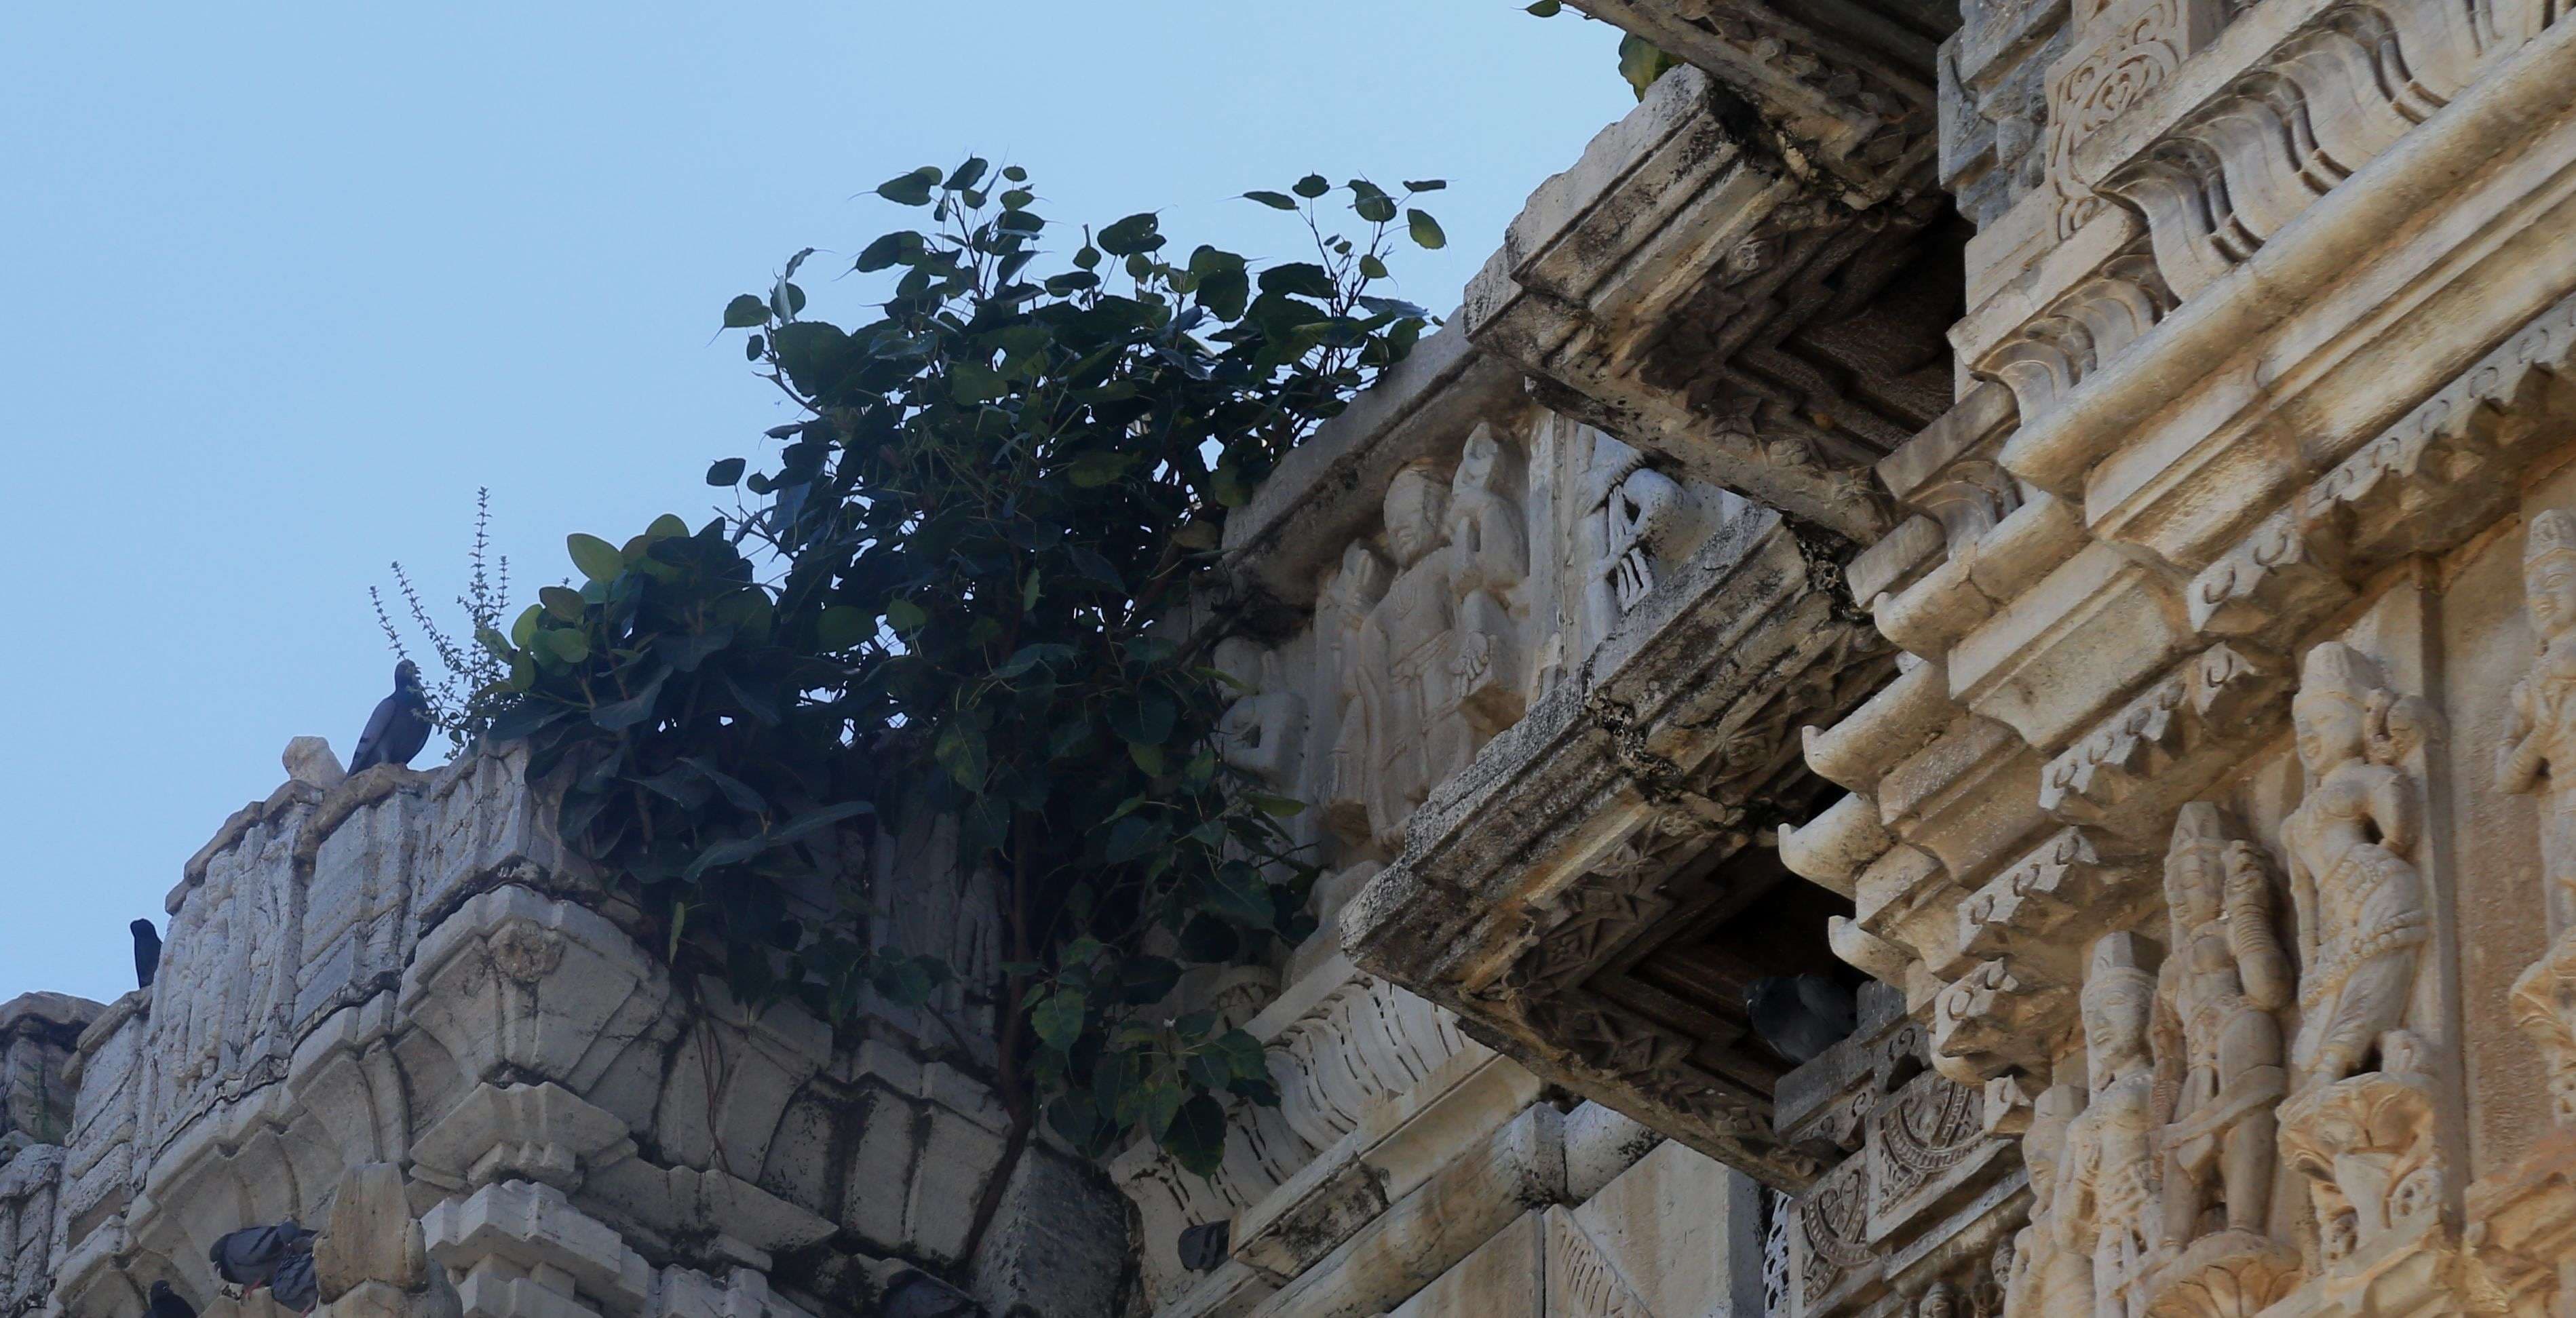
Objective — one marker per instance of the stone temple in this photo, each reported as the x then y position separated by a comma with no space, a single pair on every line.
2056,513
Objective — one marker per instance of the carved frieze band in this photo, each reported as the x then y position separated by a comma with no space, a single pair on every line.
2423,485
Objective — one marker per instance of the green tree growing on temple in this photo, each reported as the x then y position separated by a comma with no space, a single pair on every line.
963,590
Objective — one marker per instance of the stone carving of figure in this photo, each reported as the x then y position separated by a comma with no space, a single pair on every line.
2052,1266
2110,1170
2225,979
1632,507
1940,1300
2540,737
1264,733
1435,661
1489,559
1986,1293
1344,609
2361,913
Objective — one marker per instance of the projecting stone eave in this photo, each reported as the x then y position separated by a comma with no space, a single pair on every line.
1619,815
1698,286
1849,88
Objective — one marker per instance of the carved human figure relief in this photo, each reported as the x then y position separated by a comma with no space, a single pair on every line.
1343,609
2224,981
2052,1263
1630,510
1436,659
1264,733
2111,1182
2540,735
2361,914
1487,542
2540,739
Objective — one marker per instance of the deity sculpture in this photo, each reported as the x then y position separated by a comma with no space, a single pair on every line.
1346,599
2224,980
2361,914
2052,1266
1940,1300
2110,1169
1264,733
2540,735
1435,662
1631,508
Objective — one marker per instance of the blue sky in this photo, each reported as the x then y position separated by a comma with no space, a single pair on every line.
282,284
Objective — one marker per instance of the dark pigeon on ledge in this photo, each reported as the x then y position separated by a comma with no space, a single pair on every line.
1800,1016
147,952
165,1303
399,727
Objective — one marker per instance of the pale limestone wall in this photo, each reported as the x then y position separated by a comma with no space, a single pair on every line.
2211,830
1409,1168
395,996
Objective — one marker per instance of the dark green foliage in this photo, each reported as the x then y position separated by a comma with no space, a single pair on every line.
954,594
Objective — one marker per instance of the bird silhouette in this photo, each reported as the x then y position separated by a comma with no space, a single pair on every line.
399,727
147,952
165,1302
1203,1247
1800,1016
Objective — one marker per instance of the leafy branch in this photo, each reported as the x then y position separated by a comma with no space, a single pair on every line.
951,602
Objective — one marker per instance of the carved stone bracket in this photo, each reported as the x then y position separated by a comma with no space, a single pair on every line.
1849,89
2168,743
2421,486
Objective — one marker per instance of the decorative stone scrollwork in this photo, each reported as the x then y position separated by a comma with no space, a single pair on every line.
1932,1126
1832,1232
2367,1147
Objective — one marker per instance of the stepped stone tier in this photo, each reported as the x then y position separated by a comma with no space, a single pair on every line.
2057,515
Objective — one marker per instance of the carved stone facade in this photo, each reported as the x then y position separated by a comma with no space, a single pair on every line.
2055,516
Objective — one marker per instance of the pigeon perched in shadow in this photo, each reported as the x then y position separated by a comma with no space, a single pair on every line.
1800,1016
147,952
278,1256
165,1303
911,1294
1203,1247
399,727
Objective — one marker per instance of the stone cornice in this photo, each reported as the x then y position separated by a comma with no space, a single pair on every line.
1567,892
1847,88
1693,285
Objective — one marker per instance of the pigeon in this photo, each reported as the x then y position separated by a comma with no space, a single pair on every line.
1203,1247
147,952
399,727
257,1256
912,1294
1800,1016
165,1303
